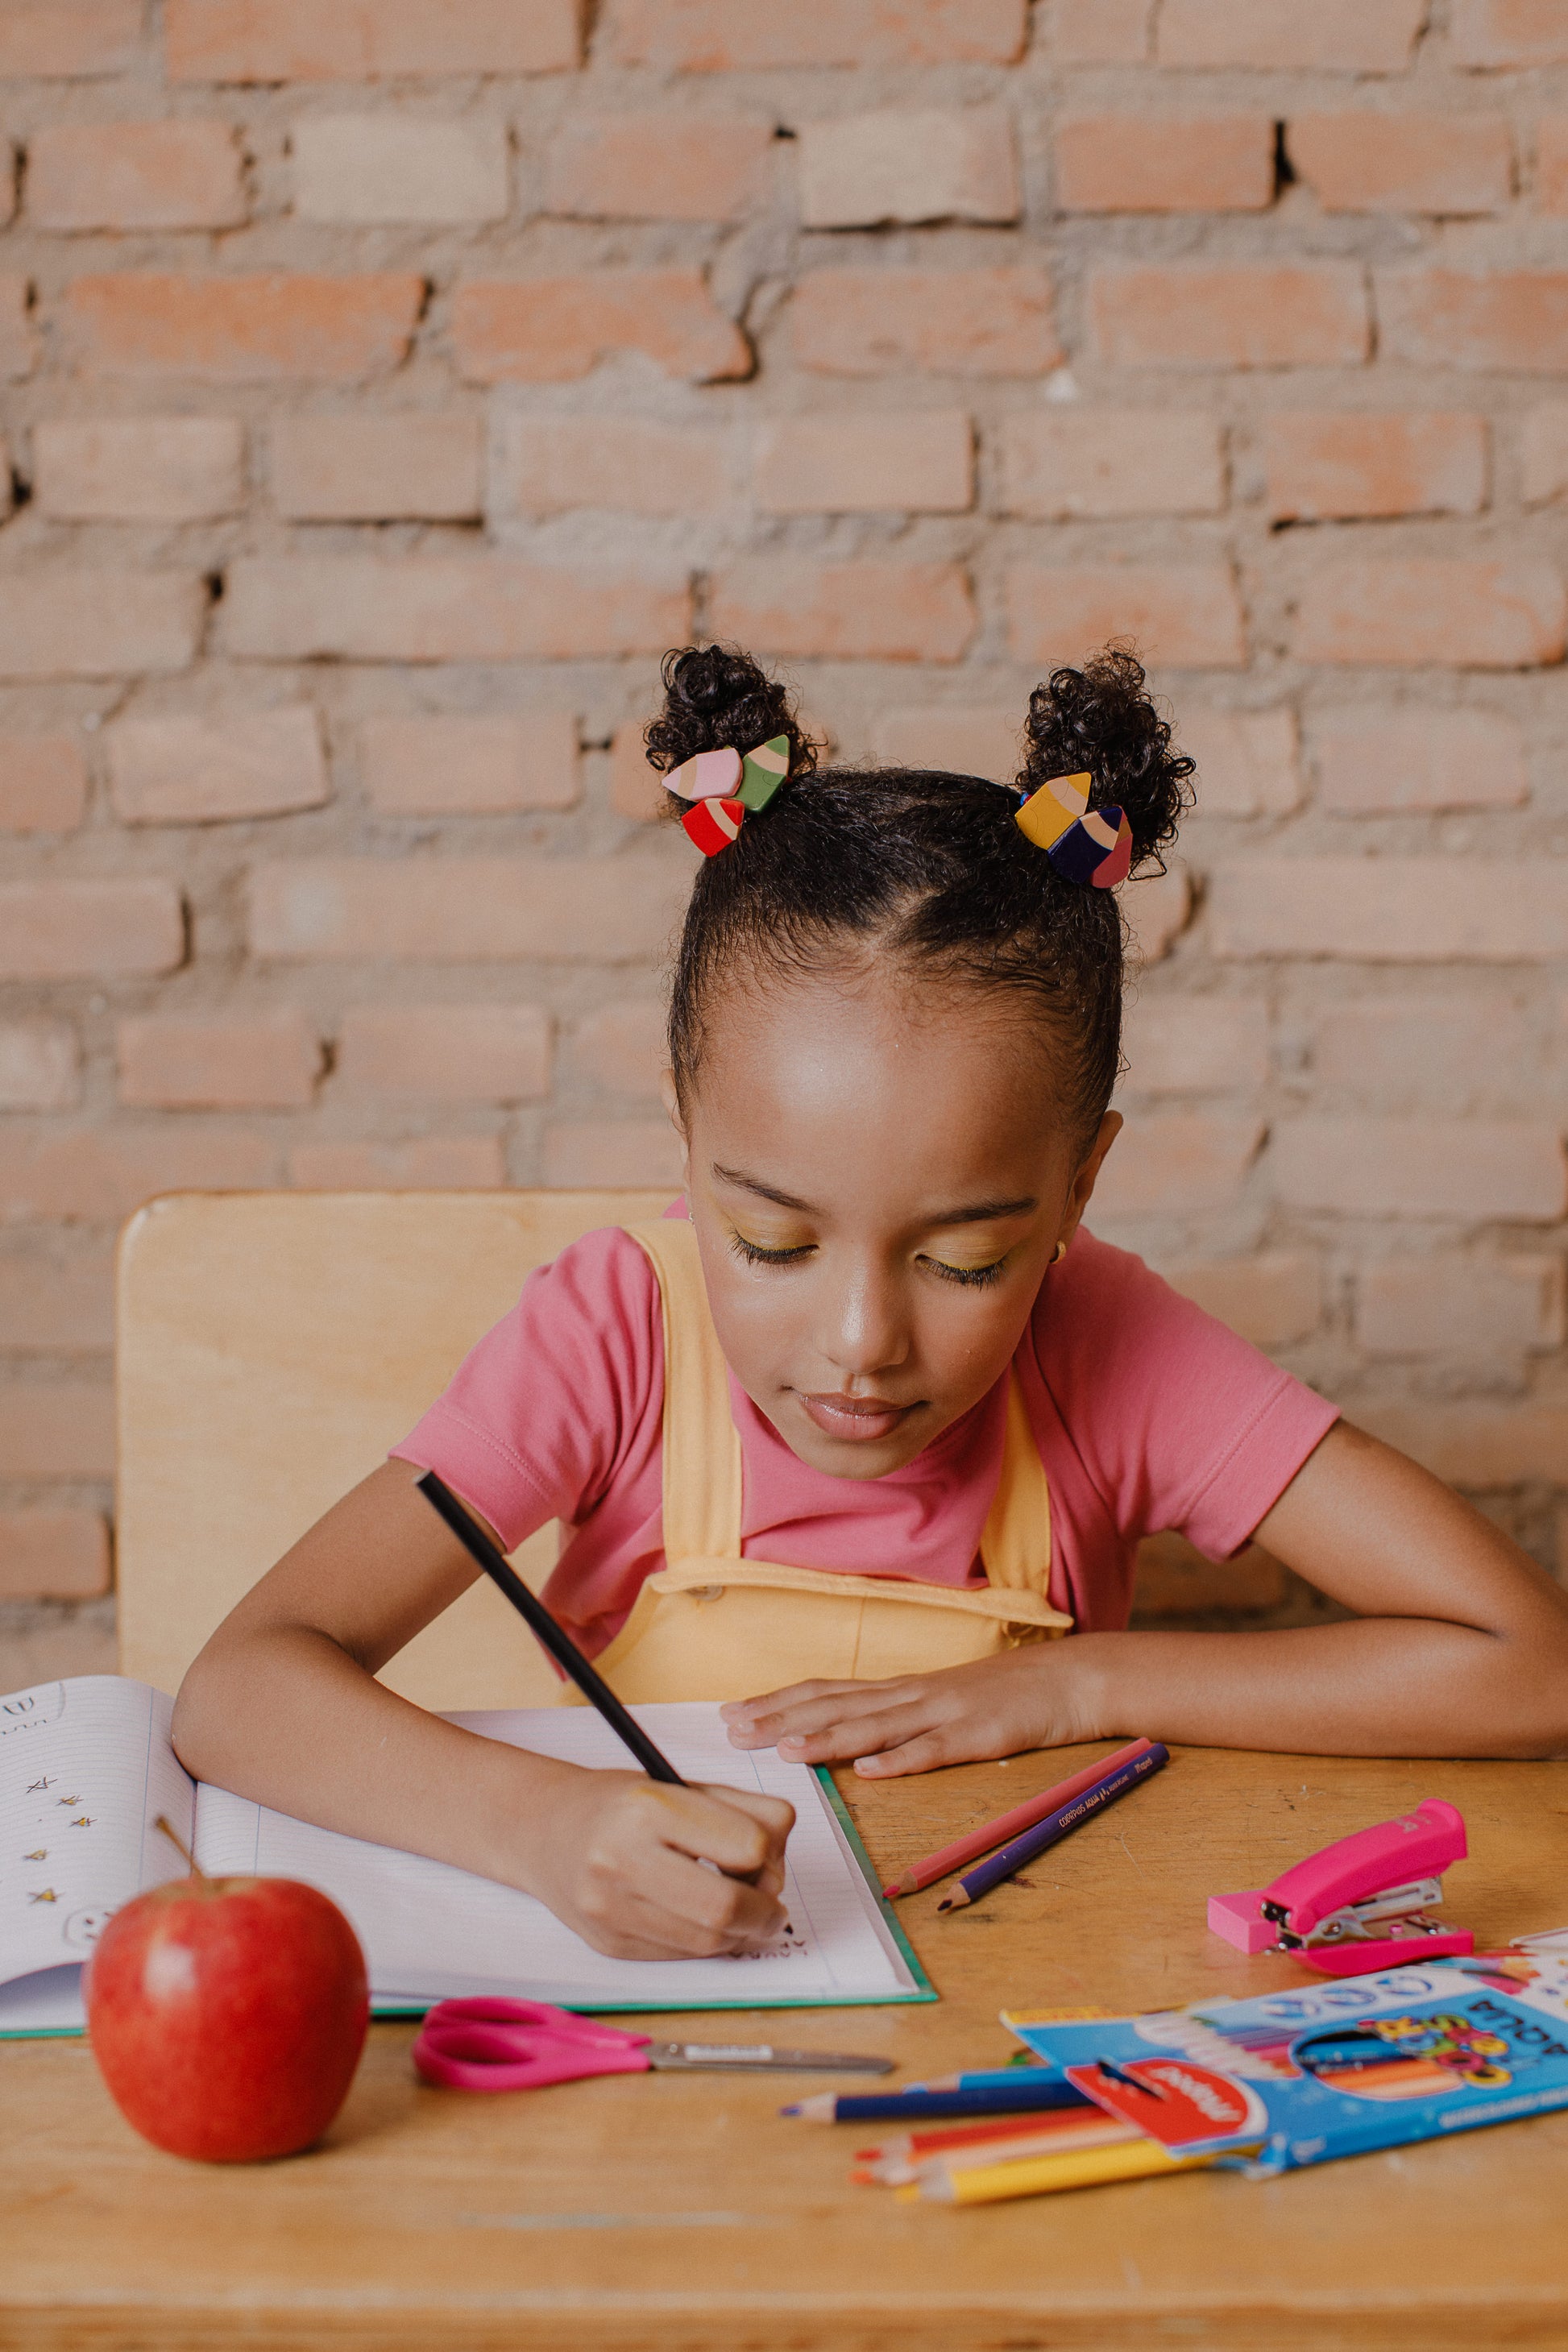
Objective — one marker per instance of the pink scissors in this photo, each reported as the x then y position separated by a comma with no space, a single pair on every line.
520,2045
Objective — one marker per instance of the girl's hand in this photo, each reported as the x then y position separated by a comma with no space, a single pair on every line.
622,1861
912,1723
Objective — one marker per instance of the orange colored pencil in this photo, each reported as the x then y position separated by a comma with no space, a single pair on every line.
1008,1825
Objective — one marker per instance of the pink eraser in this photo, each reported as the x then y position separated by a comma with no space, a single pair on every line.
1239,1919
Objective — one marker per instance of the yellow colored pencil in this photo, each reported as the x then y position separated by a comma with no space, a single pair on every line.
1034,2175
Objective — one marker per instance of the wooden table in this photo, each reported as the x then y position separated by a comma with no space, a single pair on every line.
682,2213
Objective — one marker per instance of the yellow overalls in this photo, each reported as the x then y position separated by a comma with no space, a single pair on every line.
711,1625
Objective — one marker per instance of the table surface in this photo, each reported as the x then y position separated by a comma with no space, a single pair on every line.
681,2212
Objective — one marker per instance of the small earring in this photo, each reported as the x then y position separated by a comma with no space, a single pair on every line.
1058,1253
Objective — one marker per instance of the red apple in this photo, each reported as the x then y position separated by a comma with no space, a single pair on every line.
227,2015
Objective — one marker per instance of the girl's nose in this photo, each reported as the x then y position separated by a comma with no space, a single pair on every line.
871,1332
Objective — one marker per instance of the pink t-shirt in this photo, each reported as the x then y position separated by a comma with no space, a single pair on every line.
1148,1415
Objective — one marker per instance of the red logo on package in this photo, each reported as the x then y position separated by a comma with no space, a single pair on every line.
1172,2101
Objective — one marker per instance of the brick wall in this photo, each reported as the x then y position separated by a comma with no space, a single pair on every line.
386,382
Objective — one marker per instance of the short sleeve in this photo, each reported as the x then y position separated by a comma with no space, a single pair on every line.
1178,1422
543,1415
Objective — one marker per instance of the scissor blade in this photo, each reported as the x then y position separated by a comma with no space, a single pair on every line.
762,2057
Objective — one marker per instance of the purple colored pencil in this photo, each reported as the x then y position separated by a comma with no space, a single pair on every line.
1059,1824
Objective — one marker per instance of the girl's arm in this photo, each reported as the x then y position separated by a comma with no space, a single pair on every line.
1459,1648
282,1706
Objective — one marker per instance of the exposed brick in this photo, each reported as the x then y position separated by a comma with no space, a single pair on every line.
1420,1168
457,764
1333,462
53,1555
923,164
467,910
720,35
1543,454
658,167
71,39
1386,163
1196,1044
1390,909
968,741
1247,763
1503,32
1331,37
787,605
549,329
266,1061
1454,1306
1156,909
205,772
1445,1050
59,624
18,344
98,1176
373,469
1164,163
1509,614
58,1429
1474,1445
445,1053
1176,1581
921,461
634,788
359,169
43,784
1180,615
55,1300
612,1151
263,327
1369,763
435,1164
357,40
1100,32
623,1047
1244,314
967,322
138,468
1273,1299
1056,464
1552,164
71,930
40,1065
1513,319
548,465
1176,1166
135,175
439,608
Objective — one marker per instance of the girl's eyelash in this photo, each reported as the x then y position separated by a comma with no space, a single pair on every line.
754,1254
973,1277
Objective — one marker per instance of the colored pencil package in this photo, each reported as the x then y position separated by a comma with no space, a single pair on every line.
1339,2068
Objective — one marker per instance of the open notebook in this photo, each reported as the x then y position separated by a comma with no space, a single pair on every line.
86,1766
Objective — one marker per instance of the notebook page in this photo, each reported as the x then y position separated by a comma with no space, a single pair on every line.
86,1767
435,1931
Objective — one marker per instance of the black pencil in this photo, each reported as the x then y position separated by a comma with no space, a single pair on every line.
560,1645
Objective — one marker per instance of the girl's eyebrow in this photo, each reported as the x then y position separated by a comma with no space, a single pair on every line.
979,1212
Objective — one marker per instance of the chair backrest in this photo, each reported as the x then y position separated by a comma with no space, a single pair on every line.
271,1346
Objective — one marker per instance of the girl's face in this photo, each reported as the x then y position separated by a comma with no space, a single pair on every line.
879,1174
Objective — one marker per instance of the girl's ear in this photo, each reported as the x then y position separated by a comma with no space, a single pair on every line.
1083,1183
672,1102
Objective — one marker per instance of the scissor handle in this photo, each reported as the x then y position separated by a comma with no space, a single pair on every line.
520,2045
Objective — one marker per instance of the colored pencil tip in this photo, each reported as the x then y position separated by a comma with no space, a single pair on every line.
956,1901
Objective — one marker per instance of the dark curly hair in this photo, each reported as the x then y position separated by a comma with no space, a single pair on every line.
921,866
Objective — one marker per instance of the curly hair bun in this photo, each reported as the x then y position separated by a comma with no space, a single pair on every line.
1100,718
716,697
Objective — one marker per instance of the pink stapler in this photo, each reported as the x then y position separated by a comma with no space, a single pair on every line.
1360,1904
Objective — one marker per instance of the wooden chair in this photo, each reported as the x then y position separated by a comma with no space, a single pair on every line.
271,1346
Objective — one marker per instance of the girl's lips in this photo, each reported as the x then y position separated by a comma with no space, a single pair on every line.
860,1420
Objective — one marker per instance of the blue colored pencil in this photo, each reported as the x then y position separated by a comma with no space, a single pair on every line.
998,1867
1027,2095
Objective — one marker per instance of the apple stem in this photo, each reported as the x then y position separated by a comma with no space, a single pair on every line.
172,1834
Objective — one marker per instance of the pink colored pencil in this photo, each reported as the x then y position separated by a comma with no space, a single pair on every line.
1008,1825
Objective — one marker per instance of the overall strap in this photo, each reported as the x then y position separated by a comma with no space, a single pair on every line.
1016,1544
701,1444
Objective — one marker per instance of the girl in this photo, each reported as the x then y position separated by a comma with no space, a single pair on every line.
874,1421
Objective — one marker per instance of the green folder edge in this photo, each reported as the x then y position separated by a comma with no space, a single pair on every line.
923,1987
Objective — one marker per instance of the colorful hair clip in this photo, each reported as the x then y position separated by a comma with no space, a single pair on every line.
713,824
707,776
1093,846
764,771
